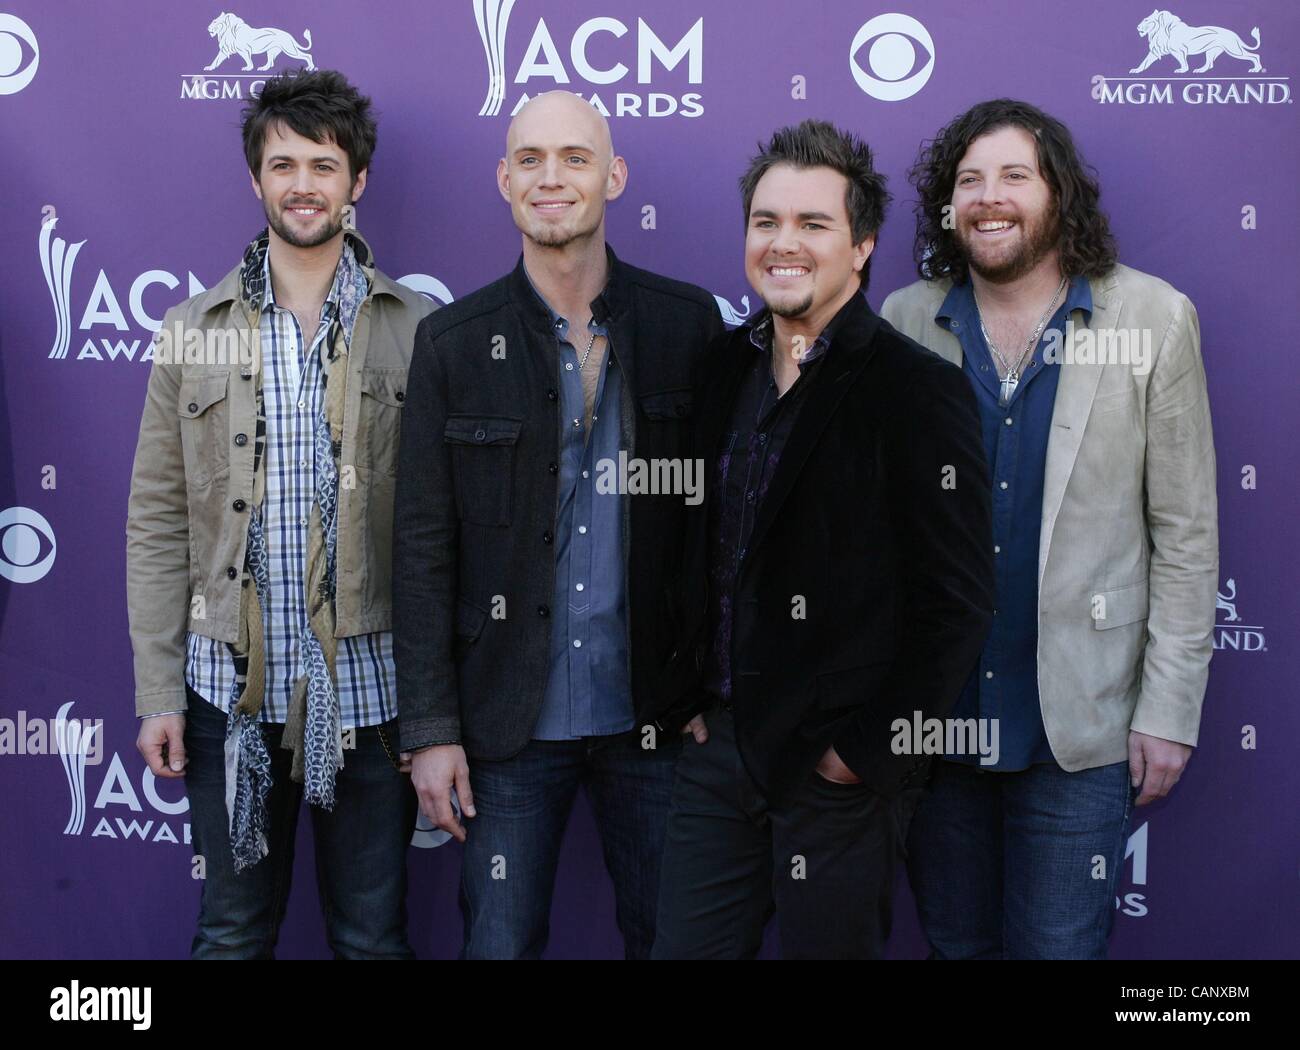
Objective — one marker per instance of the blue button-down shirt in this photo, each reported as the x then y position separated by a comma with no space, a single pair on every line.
1005,684
588,691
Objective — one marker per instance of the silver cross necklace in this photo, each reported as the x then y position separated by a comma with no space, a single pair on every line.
1012,380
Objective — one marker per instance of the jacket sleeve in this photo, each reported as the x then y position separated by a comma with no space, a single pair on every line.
158,548
1183,523
941,503
425,535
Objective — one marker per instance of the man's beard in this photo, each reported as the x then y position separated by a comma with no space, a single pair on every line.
792,310
1038,239
327,232
547,235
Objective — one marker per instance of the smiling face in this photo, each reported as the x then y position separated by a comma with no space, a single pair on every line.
559,170
799,250
304,187
1006,212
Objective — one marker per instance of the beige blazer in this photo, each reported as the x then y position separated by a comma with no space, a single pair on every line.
1128,556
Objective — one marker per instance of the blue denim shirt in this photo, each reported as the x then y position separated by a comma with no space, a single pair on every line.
588,691
1005,684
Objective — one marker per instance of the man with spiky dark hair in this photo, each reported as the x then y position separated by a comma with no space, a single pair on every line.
259,546
1096,426
839,578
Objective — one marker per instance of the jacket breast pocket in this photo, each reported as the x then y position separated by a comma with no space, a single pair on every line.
383,393
205,426
666,428
483,465
1120,607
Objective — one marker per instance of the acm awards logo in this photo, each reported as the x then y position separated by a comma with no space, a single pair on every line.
596,52
1230,72
1231,632
235,38
19,54
894,70
98,320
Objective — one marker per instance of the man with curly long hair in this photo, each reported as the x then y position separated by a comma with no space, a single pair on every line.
1096,427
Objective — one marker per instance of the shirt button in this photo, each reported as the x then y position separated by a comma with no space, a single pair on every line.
955,325
547,537
577,643
1008,421
577,424
543,611
582,530
568,366
302,462
988,674
762,439
578,587
241,440
302,521
1002,484
302,404
586,473
749,496
997,549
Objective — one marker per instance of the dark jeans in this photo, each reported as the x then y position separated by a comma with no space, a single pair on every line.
824,860
360,848
512,846
1019,865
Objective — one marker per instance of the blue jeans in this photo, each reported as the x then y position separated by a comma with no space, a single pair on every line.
1019,865
512,846
360,848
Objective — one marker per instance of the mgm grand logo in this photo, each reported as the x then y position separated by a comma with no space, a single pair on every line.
1238,80
1231,631
235,38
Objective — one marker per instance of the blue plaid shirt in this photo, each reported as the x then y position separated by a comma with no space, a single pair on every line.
293,395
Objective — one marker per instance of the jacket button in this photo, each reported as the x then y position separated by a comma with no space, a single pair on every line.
547,537
241,440
681,410
554,468
480,434
193,406
232,572
543,611
239,504
552,395
400,395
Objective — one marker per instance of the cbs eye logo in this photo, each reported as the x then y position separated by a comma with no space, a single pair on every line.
892,74
16,69
21,533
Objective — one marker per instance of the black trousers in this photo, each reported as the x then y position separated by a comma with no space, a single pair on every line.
823,860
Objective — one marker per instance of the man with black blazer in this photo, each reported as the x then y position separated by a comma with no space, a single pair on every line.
839,581
531,607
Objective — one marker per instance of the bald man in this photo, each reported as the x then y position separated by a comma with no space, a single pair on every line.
539,513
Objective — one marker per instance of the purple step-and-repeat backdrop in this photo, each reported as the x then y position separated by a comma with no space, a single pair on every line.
124,191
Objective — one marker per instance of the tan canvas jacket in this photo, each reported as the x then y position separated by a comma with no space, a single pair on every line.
192,482
1128,556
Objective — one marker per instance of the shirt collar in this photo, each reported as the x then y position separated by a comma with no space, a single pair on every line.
760,334
559,324
346,293
958,307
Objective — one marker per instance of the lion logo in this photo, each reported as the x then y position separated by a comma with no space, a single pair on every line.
1228,603
1167,34
237,37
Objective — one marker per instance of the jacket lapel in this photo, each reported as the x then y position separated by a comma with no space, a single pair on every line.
850,350
1074,396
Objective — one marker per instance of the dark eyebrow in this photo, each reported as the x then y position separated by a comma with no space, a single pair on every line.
314,160
1005,167
803,216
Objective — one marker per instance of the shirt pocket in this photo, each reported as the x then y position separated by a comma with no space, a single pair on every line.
379,425
205,426
483,466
